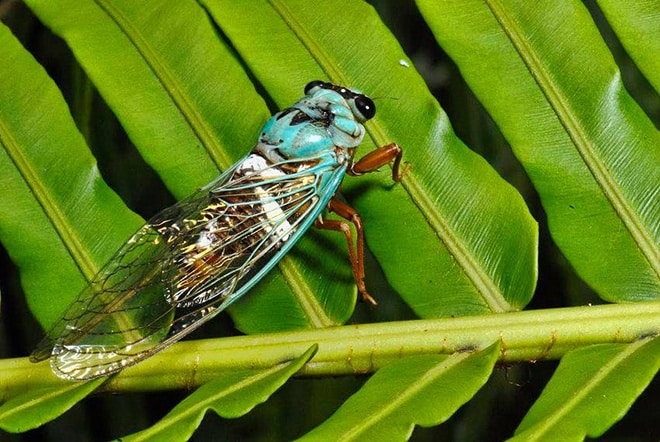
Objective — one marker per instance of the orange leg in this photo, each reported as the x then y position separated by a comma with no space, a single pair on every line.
371,162
355,252
375,159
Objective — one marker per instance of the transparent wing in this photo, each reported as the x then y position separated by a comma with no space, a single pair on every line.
187,264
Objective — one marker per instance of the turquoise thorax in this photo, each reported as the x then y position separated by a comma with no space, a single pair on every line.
326,124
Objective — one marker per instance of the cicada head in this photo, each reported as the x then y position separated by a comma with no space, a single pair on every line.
361,106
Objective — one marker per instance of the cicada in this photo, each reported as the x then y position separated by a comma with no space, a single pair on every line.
194,259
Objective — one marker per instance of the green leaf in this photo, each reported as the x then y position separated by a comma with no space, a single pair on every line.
453,238
634,19
418,390
549,81
36,407
165,87
232,394
592,389
59,222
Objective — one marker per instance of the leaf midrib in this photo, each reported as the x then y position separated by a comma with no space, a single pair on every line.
171,85
172,421
549,425
49,204
378,415
560,104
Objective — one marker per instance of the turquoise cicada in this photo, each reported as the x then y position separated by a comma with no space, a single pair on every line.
192,260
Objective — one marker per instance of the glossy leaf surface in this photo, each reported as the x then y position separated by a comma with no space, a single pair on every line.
590,151
37,407
418,390
592,389
231,395
637,25
59,221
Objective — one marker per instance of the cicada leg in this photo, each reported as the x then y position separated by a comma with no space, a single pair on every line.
375,159
355,247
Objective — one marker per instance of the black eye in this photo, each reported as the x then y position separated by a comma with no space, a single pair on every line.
311,85
366,106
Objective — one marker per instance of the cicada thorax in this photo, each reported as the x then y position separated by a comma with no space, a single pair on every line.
242,224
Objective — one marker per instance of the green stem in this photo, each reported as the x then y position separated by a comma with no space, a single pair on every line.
524,336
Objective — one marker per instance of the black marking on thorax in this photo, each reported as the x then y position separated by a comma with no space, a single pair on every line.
301,117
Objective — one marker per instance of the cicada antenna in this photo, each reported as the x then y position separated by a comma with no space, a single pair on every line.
384,97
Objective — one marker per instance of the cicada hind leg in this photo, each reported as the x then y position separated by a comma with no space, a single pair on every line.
355,247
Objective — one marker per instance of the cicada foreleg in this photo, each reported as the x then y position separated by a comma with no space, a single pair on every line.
375,159
355,246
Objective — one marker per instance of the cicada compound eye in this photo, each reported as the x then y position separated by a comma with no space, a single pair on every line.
313,84
365,106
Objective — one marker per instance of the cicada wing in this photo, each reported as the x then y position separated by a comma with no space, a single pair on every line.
185,266
123,315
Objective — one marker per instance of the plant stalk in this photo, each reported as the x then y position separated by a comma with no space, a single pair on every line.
357,349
